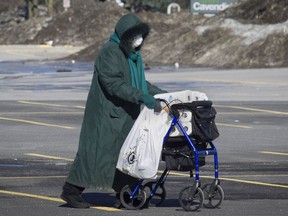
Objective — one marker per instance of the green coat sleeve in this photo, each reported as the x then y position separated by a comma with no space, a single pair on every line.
153,90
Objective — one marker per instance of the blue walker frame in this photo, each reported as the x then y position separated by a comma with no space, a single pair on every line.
214,186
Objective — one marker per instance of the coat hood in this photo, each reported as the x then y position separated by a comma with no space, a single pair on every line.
127,28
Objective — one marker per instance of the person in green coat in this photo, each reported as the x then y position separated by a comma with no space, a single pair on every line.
117,92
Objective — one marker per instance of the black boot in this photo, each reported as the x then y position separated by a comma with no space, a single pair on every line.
72,195
118,203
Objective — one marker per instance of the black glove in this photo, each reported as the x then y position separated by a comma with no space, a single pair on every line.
148,100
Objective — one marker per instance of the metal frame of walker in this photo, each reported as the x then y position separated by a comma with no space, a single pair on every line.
191,198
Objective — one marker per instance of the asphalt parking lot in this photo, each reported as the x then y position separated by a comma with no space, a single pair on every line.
40,131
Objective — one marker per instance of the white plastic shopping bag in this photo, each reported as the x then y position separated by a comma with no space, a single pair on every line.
141,151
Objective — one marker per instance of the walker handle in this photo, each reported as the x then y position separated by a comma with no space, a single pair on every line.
206,103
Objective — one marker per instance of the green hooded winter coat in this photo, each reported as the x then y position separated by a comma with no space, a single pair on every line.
111,109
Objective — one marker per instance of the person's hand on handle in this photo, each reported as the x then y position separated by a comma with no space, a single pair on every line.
148,100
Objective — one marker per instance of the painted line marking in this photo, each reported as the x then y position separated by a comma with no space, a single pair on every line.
31,196
243,176
237,126
48,156
254,109
103,208
40,113
35,123
265,175
49,104
254,182
237,180
274,153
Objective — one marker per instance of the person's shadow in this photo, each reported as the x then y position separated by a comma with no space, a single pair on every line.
97,199
108,200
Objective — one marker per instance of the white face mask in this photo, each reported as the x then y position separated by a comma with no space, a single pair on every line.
138,40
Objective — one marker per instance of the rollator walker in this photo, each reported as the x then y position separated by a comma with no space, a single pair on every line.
184,152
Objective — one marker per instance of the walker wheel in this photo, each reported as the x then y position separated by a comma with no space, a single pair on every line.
158,197
136,202
213,196
191,198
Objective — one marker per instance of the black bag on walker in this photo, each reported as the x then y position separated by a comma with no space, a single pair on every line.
203,119
179,156
203,122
